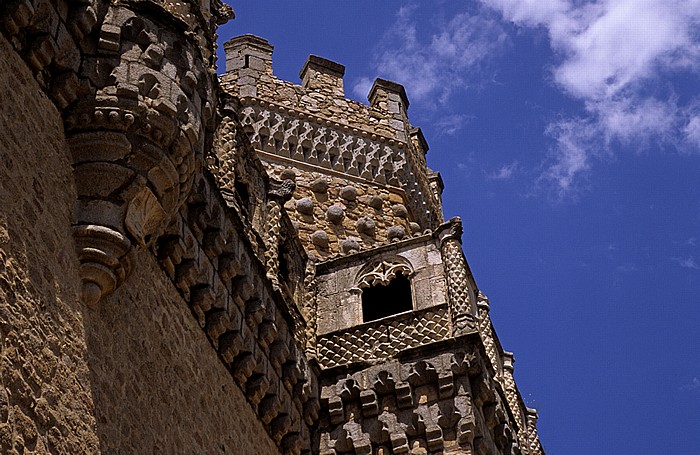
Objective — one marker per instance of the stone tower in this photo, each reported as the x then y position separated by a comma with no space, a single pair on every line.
194,264
408,359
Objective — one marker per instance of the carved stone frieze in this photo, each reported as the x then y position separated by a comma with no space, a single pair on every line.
249,322
381,340
439,404
336,147
326,145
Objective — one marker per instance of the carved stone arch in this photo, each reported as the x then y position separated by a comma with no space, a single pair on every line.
385,288
383,270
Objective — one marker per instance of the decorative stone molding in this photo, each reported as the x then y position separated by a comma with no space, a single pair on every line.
278,193
136,98
382,271
257,331
486,330
535,446
439,404
325,144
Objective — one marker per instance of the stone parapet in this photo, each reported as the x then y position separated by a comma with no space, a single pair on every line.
381,340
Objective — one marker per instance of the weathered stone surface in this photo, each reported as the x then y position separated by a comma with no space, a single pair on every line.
320,239
335,214
172,394
305,206
366,226
396,233
46,399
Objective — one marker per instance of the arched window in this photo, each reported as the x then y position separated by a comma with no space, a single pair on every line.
386,288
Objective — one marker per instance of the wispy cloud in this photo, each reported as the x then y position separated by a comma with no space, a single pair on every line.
432,67
626,268
505,172
618,57
687,263
692,241
450,124
694,385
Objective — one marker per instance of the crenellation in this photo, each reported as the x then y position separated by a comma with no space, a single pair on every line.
325,76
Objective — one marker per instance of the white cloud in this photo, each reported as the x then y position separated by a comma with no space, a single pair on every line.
570,155
691,131
687,263
618,58
693,385
432,67
449,125
505,172
615,56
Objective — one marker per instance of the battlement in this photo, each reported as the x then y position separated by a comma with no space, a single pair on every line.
249,74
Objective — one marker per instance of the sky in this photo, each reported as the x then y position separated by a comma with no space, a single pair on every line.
567,133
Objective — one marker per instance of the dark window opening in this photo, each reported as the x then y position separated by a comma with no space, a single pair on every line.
246,63
242,191
284,264
385,300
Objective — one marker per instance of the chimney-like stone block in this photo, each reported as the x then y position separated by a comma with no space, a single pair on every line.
321,74
388,96
248,51
247,58
391,97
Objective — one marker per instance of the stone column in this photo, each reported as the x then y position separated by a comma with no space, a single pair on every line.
535,447
486,330
461,308
512,396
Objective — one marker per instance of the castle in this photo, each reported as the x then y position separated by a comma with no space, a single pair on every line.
195,264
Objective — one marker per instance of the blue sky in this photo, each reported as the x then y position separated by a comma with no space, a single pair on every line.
568,136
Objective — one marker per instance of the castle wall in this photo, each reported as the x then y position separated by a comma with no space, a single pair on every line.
135,374
46,403
158,385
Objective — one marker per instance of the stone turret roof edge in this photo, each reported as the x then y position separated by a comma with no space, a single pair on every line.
322,65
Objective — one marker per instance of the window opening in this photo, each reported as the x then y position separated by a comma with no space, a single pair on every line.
283,264
242,192
382,300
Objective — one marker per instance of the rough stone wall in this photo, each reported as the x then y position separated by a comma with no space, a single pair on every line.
324,96
46,404
336,215
158,385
